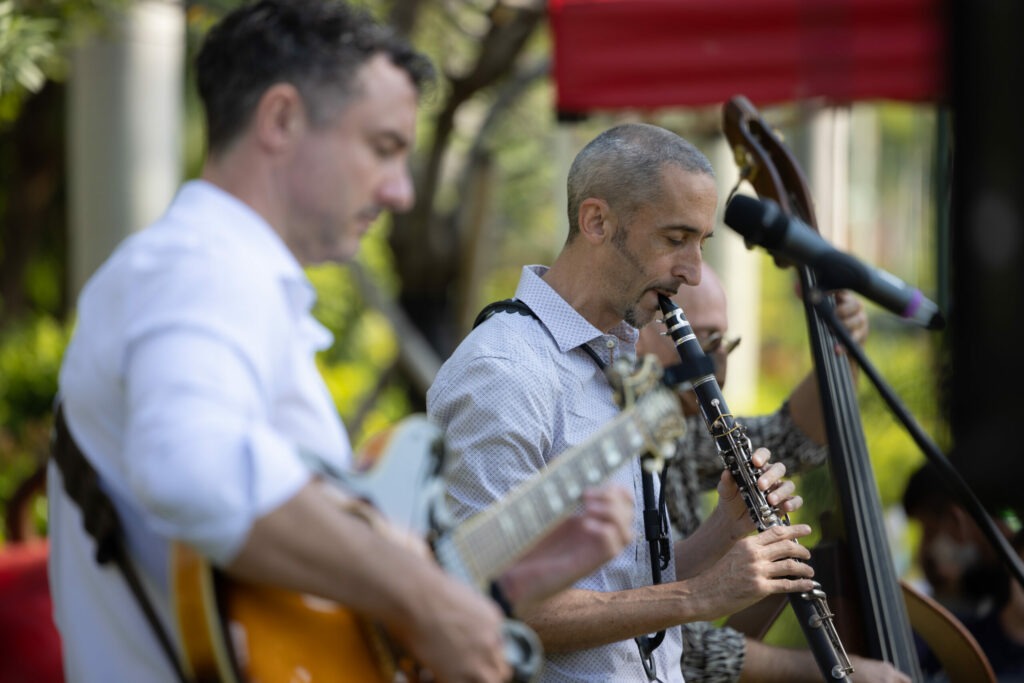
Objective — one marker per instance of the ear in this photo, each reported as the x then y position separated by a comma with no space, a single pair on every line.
596,220
280,117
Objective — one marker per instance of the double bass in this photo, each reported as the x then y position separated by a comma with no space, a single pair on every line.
875,613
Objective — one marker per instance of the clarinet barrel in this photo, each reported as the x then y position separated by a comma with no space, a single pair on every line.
811,609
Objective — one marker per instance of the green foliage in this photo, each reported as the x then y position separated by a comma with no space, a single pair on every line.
365,347
29,361
27,51
30,356
34,42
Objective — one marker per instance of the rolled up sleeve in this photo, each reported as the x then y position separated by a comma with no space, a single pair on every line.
214,463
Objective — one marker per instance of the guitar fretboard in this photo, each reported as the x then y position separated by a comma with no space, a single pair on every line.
490,541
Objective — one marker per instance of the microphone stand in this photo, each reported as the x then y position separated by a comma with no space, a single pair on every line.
927,446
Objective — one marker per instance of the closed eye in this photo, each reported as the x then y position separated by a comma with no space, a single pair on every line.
682,238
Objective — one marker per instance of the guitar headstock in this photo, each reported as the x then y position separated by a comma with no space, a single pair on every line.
630,382
655,409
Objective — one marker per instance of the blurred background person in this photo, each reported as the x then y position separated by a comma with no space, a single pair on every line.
964,573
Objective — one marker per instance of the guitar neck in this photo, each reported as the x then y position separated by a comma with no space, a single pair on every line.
490,541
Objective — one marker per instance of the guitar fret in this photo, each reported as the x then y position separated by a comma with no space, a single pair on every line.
572,487
612,455
551,493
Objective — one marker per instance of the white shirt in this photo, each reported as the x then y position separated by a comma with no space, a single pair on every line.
517,393
191,386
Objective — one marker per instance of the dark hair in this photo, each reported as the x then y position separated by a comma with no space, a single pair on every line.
316,45
624,165
927,490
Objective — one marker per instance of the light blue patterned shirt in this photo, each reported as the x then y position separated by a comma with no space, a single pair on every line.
513,396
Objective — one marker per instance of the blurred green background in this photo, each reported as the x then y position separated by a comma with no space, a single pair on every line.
502,130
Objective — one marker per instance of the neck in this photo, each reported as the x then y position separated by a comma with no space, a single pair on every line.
240,175
580,282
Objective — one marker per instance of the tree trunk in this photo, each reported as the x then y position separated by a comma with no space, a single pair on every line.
32,169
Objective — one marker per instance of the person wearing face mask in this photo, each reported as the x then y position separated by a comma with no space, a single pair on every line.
965,574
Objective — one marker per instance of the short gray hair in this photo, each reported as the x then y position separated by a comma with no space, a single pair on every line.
624,165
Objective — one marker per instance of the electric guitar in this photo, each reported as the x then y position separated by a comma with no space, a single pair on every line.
233,631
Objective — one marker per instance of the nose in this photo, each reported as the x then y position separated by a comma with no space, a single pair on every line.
687,266
397,191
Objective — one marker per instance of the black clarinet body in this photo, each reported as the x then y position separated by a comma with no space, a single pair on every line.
811,609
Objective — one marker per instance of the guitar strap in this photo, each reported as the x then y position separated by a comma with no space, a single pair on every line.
655,512
99,516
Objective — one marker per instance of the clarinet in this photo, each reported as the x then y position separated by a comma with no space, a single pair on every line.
812,610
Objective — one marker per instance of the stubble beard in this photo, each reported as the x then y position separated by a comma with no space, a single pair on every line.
634,315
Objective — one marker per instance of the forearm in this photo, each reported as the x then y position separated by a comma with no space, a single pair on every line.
804,403
311,544
705,546
579,619
805,410
754,567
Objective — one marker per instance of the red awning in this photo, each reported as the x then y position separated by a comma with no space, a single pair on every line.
647,54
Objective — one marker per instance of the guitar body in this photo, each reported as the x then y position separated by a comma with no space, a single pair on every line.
233,632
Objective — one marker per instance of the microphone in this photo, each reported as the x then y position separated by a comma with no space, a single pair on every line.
762,222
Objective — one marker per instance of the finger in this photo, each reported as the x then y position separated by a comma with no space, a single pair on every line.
760,457
607,499
783,532
788,559
846,304
781,493
613,519
782,585
794,568
771,476
791,504
727,488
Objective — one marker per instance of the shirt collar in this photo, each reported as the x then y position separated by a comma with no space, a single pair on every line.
253,238
568,328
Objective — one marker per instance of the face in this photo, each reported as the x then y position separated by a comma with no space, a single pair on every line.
944,554
347,171
659,250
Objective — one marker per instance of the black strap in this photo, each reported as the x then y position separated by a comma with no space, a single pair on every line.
520,307
82,484
655,513
498,595
504,306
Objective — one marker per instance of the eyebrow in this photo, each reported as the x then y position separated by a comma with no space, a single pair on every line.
687,229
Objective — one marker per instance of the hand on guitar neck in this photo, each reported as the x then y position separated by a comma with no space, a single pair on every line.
574,549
